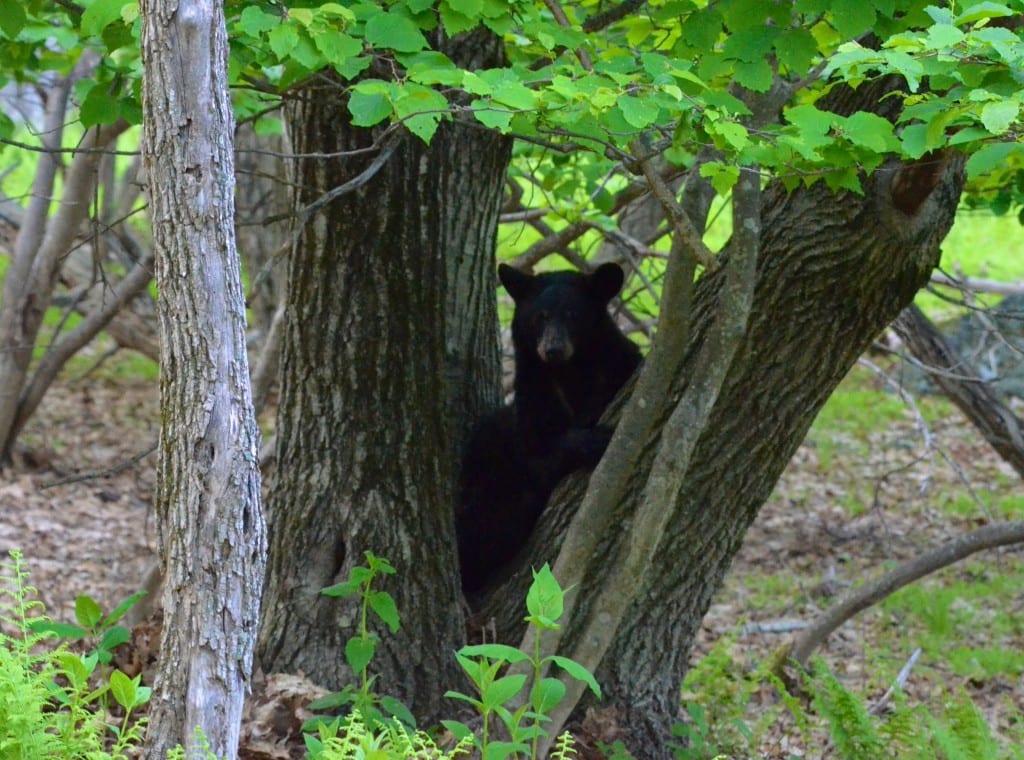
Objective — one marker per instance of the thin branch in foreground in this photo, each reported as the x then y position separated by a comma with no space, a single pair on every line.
988,537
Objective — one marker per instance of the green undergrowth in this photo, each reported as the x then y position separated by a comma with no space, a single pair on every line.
736,712
56,704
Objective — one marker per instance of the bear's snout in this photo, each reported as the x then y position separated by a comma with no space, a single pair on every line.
554,346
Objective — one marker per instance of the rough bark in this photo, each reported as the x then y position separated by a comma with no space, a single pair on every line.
212,536
390,318
833,271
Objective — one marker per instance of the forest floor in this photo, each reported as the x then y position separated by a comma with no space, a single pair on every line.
863,492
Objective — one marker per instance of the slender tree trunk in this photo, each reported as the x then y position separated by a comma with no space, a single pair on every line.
211,529
390,324
833,271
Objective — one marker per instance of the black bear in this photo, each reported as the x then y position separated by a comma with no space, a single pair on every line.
570,361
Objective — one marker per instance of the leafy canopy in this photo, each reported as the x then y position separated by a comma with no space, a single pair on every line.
678,75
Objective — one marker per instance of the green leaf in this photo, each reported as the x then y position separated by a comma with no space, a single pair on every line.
493,118
757,76
796,49
359,652
384,605
943,36
124,689
981,11
638,112
722,177
118,612
283,40
459,730
514,94
502,750
846,179
255,21
915,140
852,17
998,116
454,22
545,598
337,47
349,587
87,611
368,110
398,710
546,694
420,109
750,45
576,670
468,8
114,637
12,18
701,29
390,30
871,131
75,669
100,15
502,690
989,157
63,630
735,134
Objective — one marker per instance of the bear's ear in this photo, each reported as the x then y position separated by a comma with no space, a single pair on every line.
517,283
606,281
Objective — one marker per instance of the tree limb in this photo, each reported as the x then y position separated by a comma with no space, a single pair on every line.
988,537
1003,429
679,435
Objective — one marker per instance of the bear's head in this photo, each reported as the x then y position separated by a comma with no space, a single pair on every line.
559,315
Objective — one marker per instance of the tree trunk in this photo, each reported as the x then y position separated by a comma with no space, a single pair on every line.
833,271
391,321
212,537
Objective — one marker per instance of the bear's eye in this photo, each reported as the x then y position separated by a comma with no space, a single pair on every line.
540,317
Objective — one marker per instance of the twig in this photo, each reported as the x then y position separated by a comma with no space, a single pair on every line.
978,285
107,473
774,626
901,680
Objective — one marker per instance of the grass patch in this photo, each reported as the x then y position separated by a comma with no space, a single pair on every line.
944,617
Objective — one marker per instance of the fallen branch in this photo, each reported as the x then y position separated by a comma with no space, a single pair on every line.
108,472
988,537
899,683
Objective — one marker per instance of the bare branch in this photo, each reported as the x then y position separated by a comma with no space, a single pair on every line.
988,537
1003,429
108,472
979,285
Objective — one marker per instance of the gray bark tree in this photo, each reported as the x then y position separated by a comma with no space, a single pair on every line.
211,529
389,353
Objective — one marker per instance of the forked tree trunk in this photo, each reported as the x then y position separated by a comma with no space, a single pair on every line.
833,271
212,539
390,320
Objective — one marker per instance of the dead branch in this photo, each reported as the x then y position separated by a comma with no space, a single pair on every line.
107,472
995,421
988,537
979,285
901,679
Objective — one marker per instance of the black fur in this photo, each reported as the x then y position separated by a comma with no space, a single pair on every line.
571,360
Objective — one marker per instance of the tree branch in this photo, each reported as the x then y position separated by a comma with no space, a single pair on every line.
1003,429
988,537
678,437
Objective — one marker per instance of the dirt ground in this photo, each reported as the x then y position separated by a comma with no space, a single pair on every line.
97,536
